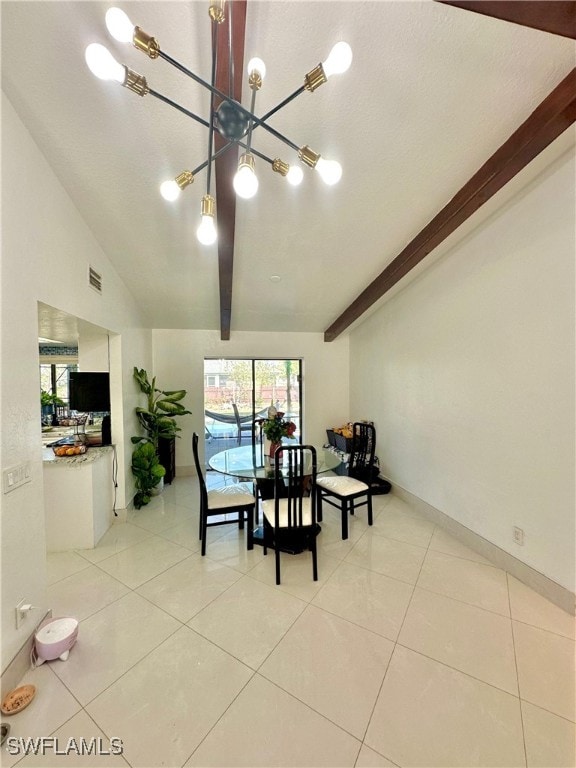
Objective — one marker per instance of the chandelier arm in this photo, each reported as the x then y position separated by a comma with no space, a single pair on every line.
185,111
276,133
216,92
225,148
230,56
250,124
221,151
211,129
283,103
191,74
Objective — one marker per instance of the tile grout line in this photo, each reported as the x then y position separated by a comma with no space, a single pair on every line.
125,672
517,675
65,721
308,603
254,671
259,673
209,731
463,602
395,644
310,707
231,654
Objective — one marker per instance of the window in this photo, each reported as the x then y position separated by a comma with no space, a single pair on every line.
54,378
252,385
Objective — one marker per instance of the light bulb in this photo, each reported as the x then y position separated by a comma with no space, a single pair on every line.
119,25
170,190
295,175
206,232
339,59
245,182
329,170
258,65
103,64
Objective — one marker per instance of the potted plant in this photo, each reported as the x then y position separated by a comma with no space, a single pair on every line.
158,421
48,402
275,428
147,470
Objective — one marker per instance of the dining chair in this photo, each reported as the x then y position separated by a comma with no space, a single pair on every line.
257,436
243,426
351,491
232,498
290,524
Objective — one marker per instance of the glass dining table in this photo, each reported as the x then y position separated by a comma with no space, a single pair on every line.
250,463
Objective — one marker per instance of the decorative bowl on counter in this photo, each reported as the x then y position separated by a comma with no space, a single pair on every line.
66,451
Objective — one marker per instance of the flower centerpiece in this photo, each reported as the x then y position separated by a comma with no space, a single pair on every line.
276,428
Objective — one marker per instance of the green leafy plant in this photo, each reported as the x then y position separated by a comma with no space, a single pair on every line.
147,470
277,428
158,421
47,398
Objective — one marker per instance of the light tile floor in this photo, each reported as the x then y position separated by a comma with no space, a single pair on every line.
410,650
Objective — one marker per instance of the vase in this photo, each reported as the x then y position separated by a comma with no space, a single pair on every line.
273,447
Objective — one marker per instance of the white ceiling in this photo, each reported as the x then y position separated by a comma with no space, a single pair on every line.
59,326
432,92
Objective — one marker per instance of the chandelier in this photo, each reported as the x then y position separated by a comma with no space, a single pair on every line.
234,122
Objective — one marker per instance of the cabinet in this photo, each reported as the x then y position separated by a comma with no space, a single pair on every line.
167,456
78,498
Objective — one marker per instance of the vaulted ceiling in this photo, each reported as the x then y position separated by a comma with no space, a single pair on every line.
431,105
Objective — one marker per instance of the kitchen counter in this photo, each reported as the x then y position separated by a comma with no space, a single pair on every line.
92,454
78,498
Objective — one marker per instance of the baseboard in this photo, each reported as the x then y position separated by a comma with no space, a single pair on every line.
556,593
185,471
20,664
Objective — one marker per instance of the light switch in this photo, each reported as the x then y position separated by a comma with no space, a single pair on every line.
14,477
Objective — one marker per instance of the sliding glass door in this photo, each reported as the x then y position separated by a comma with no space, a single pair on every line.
236,391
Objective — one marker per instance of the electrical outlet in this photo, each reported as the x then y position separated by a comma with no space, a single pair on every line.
518,535
20,614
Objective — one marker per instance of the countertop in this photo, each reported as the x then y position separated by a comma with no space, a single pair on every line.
94,453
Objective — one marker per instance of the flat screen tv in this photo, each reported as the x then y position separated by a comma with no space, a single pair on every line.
89,391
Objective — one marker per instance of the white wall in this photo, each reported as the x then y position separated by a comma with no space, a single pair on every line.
179,364
93,349
46,250
469,375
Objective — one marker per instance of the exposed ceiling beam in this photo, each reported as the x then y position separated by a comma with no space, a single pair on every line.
551,118
225,166
556,16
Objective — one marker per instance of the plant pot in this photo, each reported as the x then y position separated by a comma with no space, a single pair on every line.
157,490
